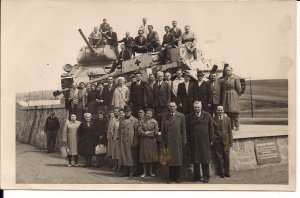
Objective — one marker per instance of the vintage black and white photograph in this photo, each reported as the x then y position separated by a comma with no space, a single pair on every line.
179,95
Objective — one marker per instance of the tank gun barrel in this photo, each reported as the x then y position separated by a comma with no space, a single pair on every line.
86,41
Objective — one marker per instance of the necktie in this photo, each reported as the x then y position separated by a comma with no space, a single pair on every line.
187,88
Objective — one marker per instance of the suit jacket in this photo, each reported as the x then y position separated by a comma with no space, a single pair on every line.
114,39
152,38
185,98
137,93
222,130
215,92
149,95
126,56
162,94
203,94
128,42
177,32
107,94
169,39
138,42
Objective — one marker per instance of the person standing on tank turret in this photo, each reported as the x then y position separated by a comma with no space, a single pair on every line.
144,27
112,39
104,27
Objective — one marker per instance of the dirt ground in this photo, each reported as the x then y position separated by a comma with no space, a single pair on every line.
36,167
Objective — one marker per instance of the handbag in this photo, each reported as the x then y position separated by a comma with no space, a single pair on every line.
100,149
164,156
64,151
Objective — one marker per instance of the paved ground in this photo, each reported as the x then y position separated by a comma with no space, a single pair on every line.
35,166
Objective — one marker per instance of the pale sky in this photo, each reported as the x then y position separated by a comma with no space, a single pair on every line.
257,39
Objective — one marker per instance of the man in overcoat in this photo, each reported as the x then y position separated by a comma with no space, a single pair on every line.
173,130
215,91
222,141
202,92
51,129
128,142
148,93
137,94
200,137
186,95
107,94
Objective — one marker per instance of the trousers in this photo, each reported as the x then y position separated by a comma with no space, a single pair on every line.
222,153
235,119
51,140
205,170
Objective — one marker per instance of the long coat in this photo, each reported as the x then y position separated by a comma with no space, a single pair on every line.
120,97
107,94
128,139
186,97
173,130
203,94
86,139
70,135
91,101
231,92
137,94
149,95
110,135
215,92
100,131
200,135
116,154
222,130
162,94
148,142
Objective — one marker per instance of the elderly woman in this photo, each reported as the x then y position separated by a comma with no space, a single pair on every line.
86,134
69,138
231,93
148,130
100,124
115,140
121,94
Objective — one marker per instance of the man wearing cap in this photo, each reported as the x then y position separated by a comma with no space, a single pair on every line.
140,43
137,94
222,141
186,95
162,96
202,91
153,42
173,130
175,83
128,43
144,27
215,91
148,94
51,129
104,27
189,40
200,137
176,31
128,142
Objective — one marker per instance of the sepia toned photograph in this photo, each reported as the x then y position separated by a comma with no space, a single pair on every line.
162,95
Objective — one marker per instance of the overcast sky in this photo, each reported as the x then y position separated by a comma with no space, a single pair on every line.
39,37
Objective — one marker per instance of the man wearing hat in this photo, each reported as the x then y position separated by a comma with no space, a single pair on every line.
186,94
215,91
128,142
202,91
51,129
140,43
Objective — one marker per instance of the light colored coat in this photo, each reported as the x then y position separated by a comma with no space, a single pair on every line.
120,97
70,136
110,135
231,92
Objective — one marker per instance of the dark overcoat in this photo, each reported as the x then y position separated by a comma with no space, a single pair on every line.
137,94
173,130
186,98
162,94
139,42
169,39
107,94
149,95
100,131
215,91
203,94
200,135
86,139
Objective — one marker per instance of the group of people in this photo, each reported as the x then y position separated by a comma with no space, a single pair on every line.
161,120
147,40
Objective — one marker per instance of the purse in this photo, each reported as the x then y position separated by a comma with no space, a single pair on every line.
100,149
64,151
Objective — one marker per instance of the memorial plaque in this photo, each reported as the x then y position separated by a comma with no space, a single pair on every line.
266,151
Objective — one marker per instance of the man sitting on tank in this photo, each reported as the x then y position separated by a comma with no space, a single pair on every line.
104,27
95,37
169,41
128,42
153,42
189,40
112,39
140,43
124,55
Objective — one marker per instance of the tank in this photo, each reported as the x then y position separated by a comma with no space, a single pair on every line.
93,65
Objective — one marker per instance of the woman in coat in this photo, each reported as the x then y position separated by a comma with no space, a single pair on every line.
69,138
231,93
100,124
121,94
116,142
148,131
86,134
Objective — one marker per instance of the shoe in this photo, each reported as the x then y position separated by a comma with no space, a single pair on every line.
152,174
169,181
131,175
177,181
237,129
125,175
48,151
143,175
206,180
69,165
196,179
85,166
76,165
222,175
227,174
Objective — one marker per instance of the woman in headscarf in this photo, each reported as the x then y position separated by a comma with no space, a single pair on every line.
148,131
69,138
231,93
121,94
